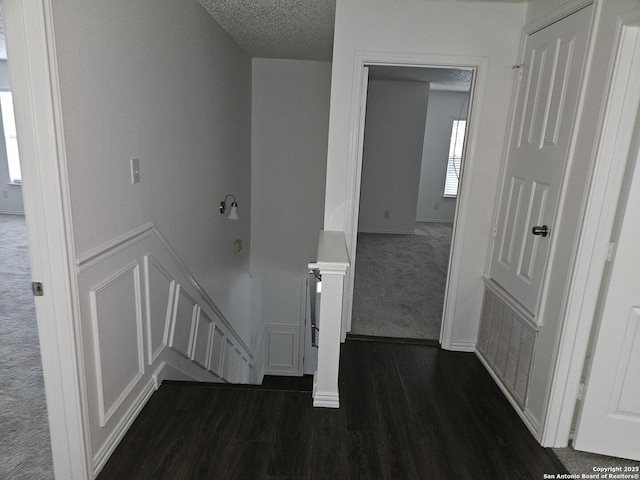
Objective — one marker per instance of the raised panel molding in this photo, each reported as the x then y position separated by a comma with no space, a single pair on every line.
137,299
159,293
202,341
116,317
283,350
217,352
184,315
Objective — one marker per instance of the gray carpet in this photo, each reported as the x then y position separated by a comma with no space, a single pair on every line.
25,451
400,282
580,463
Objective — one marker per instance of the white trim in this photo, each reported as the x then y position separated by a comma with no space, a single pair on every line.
511,302
387,232
34,76
102,252
105,414
528,419
150,260
462,346
362,59
111,443
562,11
432,220
622,102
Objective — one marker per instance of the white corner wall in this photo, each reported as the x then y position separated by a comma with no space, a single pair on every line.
10,194
290,119
160,81
392,155
161,290
444,107
490,30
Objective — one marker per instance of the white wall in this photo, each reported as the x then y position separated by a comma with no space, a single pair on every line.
444,107
488,30
392,154
10,194
538,9
290,121
160,81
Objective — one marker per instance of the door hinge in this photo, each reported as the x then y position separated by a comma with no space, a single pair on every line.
38,289
520,68
611,250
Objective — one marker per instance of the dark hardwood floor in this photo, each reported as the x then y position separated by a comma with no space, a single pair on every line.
407,412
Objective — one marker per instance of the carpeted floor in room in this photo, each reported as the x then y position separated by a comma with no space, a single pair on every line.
25,449
400,282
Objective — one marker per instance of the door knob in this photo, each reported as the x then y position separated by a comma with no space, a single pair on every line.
540,230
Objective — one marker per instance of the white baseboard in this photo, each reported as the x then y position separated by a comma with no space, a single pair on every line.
107,448
462,347
433,220
388,232
529,420
10,212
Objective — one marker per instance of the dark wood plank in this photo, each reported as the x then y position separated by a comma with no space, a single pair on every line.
408,412
291,450
366,456
328,445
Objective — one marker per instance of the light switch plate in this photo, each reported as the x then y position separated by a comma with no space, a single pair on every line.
135,170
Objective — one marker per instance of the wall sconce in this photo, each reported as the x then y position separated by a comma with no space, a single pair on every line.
233,209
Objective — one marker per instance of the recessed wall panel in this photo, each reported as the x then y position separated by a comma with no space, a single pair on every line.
184,315
159,300
202,338
116,311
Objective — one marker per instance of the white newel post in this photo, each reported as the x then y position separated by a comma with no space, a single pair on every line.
332,263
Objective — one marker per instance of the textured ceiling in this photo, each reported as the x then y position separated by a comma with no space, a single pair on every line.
455,79
295,29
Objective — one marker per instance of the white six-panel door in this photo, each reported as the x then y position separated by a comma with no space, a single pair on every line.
609,421
539,147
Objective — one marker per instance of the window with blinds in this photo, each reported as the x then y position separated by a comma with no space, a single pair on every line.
455,158
10,137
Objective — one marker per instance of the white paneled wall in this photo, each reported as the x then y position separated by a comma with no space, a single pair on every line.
146,320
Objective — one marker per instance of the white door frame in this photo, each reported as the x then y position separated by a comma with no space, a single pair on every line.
33,67
362,59
593,251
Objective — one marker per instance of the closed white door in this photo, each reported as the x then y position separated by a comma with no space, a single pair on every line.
539,147
609,421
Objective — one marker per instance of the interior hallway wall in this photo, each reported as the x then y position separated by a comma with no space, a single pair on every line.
392,154
290,117
444,107
431,28
160,81
290,120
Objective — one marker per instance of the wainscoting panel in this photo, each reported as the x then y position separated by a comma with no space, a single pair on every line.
145,319
283,351
228,361
217,350
159,294
202,339
184,316
117,328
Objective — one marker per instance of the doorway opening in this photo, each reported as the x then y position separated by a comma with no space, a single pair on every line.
413,147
